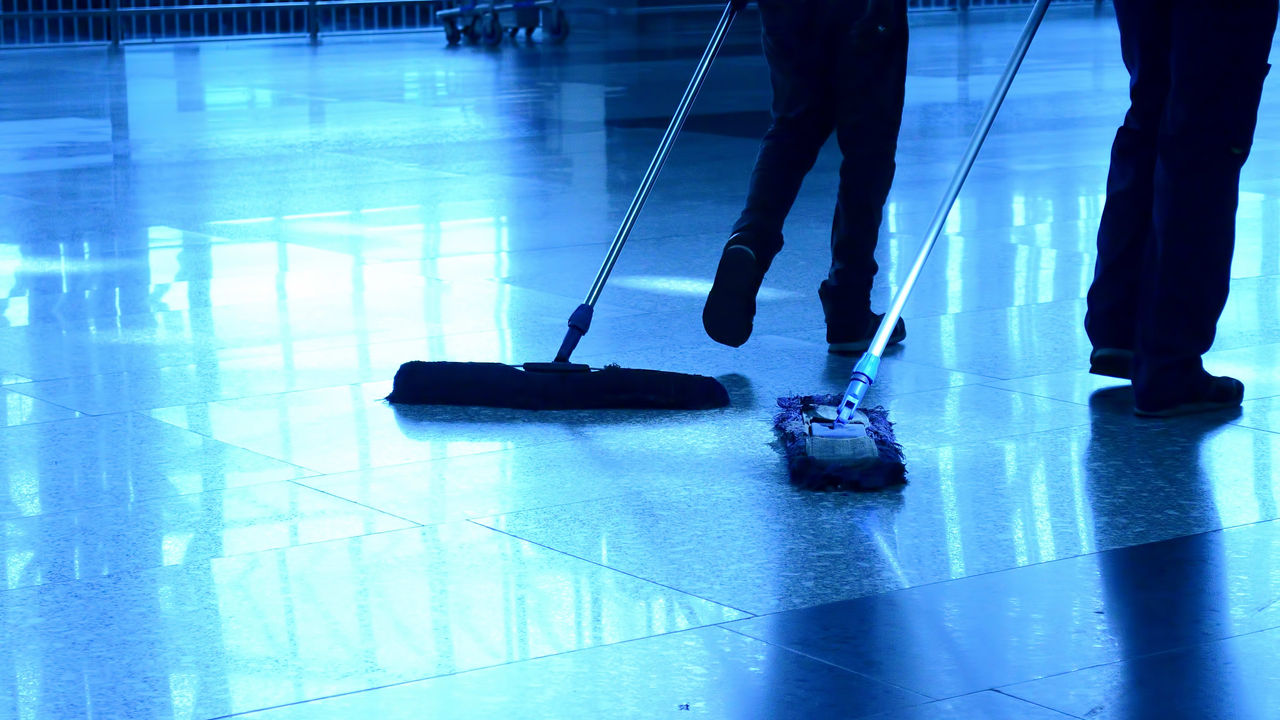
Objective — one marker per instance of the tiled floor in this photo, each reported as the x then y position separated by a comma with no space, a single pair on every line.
214,257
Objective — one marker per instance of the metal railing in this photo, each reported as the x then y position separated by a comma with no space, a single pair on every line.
35,23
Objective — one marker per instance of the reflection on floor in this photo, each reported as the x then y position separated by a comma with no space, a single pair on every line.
214,257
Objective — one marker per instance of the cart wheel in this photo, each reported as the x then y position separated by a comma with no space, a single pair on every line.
491,29
471,32
452,34
557,26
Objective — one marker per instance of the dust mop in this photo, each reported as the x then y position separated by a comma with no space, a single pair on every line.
830,441
561,384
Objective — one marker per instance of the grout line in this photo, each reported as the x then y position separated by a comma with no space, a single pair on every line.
455,673
879,681
413,523
1036,704
717,603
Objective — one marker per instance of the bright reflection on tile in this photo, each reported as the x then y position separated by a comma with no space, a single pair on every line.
350,428
712,672
192,528
89,462
277,627
17,409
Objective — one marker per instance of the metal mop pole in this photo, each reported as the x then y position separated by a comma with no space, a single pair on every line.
580,321
864,373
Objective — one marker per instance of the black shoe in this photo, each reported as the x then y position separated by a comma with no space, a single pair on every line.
1111,362
1219,393
731,304
842,341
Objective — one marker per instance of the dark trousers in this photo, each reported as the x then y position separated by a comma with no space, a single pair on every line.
835,65
1168,228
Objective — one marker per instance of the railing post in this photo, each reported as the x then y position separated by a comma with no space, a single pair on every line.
113,24
313,22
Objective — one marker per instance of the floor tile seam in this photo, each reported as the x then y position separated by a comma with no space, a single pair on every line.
655,583
1041,396
1003,689
926,698
454,673
625,494
154,499
992,438
36,423
477,518
1020,699
1236,422
423,461
1269,431
119,374
307,471
185,566
256,351
1206,642
1071,558
346,500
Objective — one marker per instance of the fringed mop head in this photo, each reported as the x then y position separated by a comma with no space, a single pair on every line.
815,473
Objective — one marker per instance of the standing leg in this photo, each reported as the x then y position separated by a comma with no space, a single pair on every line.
1218,65
869,84
802,122
1125,230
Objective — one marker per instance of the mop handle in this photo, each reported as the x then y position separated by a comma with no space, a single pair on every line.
864,373
664,150
580,321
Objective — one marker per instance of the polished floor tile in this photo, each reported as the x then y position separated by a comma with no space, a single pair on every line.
612,454
1003,628
971,413
216,255
1254,366
18,409
63,547
73,465
985,705
271,628
340,429
1235,679
700,673
746,540
1261,414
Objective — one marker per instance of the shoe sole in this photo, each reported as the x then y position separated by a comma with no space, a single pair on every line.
730,310
1203,406
860,346
1187,409
1112,365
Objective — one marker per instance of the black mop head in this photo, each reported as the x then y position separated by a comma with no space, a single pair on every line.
552,386
871,461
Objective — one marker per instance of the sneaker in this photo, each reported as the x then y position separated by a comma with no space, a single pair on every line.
1219,393
839,341
1111,362
731,305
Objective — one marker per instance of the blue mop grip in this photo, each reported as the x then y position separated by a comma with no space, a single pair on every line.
864,374
579,324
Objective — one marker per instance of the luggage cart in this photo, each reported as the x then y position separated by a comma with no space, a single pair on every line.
481,22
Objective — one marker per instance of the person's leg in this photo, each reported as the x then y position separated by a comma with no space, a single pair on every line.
1125,230
802,122
868,82
1219,62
